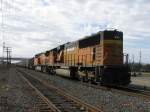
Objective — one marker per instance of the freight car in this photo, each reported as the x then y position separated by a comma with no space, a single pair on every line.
27,63
95,58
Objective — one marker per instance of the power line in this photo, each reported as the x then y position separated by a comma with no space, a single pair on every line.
2,28
5,49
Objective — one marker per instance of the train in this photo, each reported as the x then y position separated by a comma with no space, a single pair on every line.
97,58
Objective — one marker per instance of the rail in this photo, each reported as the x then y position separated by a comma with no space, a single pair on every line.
64,99
122,90
42,104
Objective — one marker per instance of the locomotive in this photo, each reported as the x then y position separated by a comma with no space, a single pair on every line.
96,58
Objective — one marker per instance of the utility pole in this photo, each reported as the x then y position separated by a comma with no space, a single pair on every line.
3,52
140,57
126,58
8,51
140,65
133,66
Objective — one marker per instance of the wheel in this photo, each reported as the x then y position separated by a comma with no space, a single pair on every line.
85,79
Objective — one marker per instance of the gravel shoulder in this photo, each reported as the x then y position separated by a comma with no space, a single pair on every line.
15,92
106,100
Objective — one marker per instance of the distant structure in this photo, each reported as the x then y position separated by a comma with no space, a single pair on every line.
14,58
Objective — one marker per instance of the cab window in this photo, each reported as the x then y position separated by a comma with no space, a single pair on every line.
115,35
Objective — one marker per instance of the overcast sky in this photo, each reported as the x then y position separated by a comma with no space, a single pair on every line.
33,26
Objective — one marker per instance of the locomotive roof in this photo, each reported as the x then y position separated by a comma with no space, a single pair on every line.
40,54
69,44
54,49
94,34
89,36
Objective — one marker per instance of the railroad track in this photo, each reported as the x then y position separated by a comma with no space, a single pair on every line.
130,91
42,104
122,90
53,99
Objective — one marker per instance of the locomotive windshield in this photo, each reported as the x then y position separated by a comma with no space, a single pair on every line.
115,35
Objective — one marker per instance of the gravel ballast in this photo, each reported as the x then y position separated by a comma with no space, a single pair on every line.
15,91
106,100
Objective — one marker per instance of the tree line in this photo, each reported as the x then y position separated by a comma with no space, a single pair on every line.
137,67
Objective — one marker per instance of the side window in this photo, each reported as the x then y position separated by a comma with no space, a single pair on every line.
90,41
94,54
113,35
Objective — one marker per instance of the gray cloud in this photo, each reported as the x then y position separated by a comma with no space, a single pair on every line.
44,24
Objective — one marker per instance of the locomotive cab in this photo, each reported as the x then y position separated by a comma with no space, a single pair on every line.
112,48
114,71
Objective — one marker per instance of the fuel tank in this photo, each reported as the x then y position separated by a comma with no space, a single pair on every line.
63,72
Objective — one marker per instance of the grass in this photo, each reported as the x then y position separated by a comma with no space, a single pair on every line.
146,74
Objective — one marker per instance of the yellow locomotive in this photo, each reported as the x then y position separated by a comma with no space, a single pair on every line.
95,58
